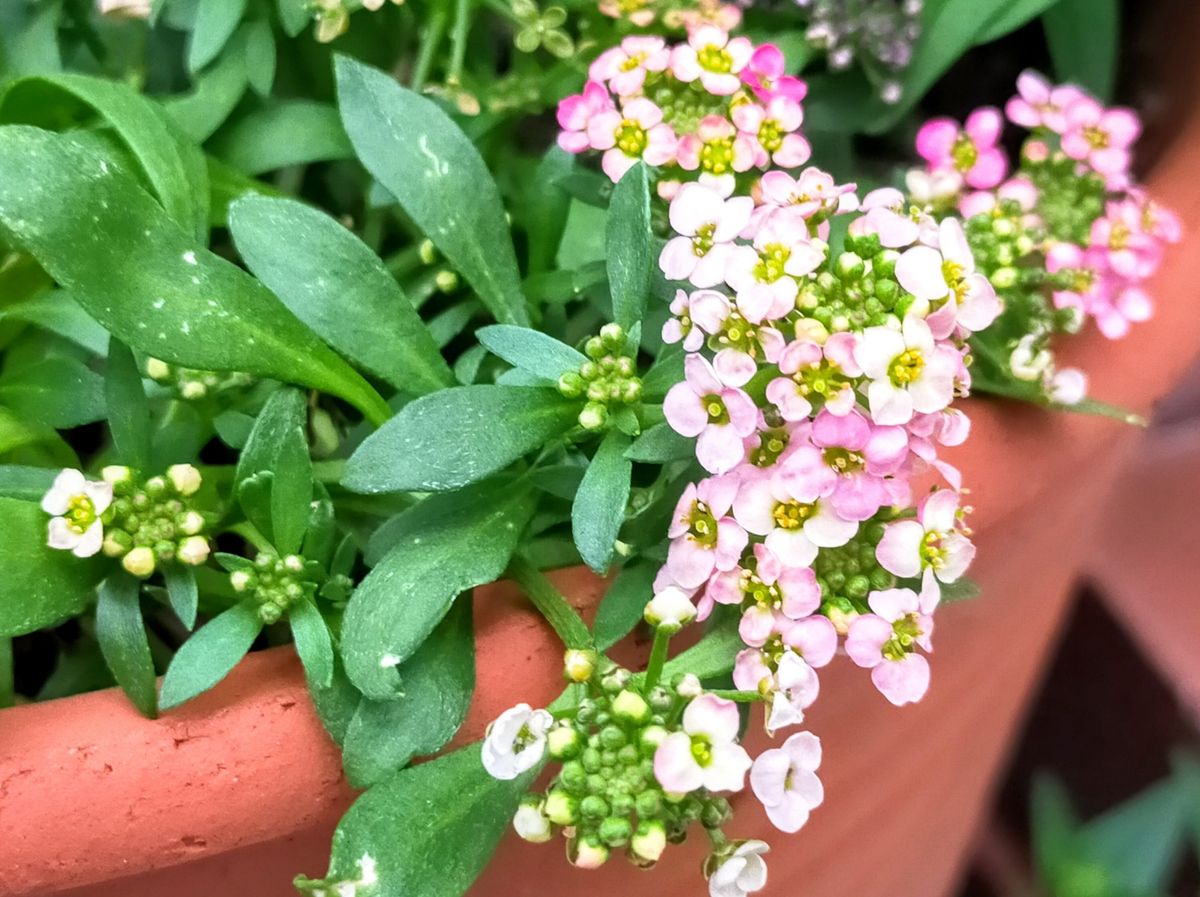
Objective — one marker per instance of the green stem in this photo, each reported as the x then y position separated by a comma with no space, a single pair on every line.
430,42
8,690
658,657
458,40
741,697
551,604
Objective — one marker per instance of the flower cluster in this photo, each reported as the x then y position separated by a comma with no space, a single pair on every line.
710,109
272,582
674,14
1069,235
880,34
145,524
192,384
608,378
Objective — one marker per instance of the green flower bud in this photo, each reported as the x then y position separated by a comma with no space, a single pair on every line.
649,841
615,832
630,707
612,738
563,742
651,738
649,803
193,550
139,561
594,348
241,580
593,807
561,808
571,384
613,336
593,416
446,281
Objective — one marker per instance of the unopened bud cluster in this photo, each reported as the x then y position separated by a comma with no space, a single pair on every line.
608,379
858,290
193,384
849,573
276,583
605,799
444,279
155,521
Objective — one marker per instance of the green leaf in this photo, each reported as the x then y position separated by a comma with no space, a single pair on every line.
599,507
57,392
457,436
460,544
218,91
1139,842
57,312
1083,40
413,148
1012,17
531,350
27,483
623,604
1053,827
712,656
135,271
173,166
660,444
296,15
546,207
313,643
42,585
666,371
182,592
278,447
337,286
451,814
438,680
122,637
295,132
212,651
128,410
628,246
216,20
258,47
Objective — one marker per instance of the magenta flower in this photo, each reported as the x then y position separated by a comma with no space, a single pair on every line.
714,58
864,456
716,148
624,67
636,132
706,224
704,538
1038,104
719,416
765,74
785,780
1131,251
575,114
970,150
1100,137
773,129
885,642
706,753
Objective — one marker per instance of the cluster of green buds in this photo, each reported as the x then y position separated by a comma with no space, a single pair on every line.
154,521
445,279
605,798
608,378
193,384
274,583
849,573
1068,200
860,289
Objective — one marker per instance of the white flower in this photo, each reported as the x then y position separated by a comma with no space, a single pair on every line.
1068,386
707,225
76,504
784,779
670,609
516,741
706,753
1028,361
909,372
531,823
742,872
930,188
797,687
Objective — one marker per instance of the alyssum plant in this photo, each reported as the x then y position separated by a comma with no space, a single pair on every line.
712,367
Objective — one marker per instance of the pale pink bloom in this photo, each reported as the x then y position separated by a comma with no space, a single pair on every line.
1088,266
764,275
886,220
742,343
971,150
815,373
931,188
624,67
1157,220
1117,304
948,273
785,780
720,416
704,538
885,642
1131,251
728,150
706,753
713,57
1068,386
772,129
765,74
706,224
575,114
636,132
1100,137
680,327
771,588
1038,104
792,510
75,505
863,456
811,195
931,546
909,372
797,688
814,639
743,872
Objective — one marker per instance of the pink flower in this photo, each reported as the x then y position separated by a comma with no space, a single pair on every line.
769,588
706,224
948,273
1039,105
706,753
792,511
719,416
885,642
1131,252
971,150
932,546
713,57
742,342
1100,137
764,275
796,689
717,148
815,374
863,456
785,780
908,371
625,66
576,112
773,130
885,216
704,538
814,194
680,327
765,74
636,132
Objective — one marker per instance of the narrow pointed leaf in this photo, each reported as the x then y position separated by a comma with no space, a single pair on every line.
182,592
122,637
128,410
628,246
599,507
313,643
531,350
212,651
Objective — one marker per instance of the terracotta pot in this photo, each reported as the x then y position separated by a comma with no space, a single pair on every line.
240,790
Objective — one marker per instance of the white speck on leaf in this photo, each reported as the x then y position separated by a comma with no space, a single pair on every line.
387,661
190,258
440,168
159,303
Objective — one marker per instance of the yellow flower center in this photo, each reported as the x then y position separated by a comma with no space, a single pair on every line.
906,367
771,261
715,59
81,513
631,138
792,514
